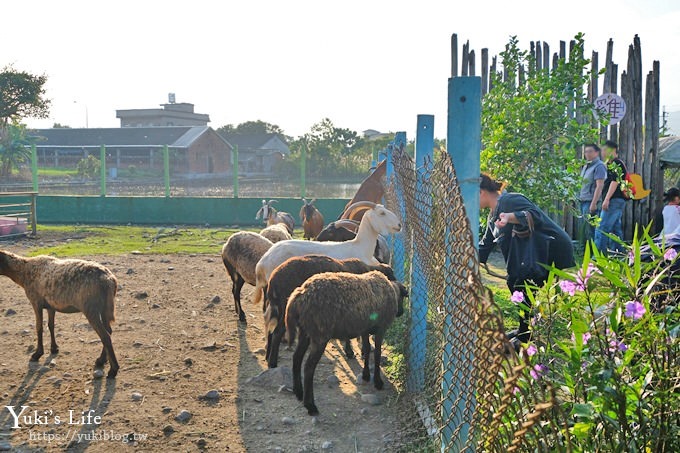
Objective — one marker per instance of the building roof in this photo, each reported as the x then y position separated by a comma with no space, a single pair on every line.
174,137
251,141
669,151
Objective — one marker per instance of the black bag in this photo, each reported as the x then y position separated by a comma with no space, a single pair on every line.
528,248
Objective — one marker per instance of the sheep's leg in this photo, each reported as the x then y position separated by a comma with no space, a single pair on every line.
104,335
315,353
349,352
366,355
54,349
102,357
303,344
238,283
377,380
275,345
39,351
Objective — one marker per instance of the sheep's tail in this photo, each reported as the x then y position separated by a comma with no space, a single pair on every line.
260,284
291,322
271,318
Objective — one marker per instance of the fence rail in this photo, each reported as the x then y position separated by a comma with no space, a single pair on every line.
15,215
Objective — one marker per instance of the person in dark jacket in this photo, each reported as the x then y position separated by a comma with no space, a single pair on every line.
509,211
613,202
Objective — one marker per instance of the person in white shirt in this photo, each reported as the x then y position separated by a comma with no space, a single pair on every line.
671,212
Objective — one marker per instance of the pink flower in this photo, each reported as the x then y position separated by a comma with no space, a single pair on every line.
517,297
515,390
568,287
586,337
634,309
531,350
581,281
538,371
670,254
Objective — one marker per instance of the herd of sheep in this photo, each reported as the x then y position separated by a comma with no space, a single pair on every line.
310,289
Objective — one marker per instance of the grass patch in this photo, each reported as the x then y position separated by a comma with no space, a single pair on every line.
60,172
81,240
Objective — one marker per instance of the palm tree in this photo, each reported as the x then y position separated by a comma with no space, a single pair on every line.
14,149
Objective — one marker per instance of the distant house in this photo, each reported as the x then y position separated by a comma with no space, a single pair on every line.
197,149
258,153
172,114
372,134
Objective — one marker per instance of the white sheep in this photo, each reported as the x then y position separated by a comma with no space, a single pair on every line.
340,305
240,254
276,233
66,286
376,220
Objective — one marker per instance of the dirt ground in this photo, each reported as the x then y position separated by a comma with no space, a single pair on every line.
175,344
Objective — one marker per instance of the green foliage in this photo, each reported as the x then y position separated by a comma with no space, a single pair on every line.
21,95
89,167
537,121
616,367
250,127
14,148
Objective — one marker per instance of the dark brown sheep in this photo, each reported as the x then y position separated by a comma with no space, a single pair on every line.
66,286
340,305
293,273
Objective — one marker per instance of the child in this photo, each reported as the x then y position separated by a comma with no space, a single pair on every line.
671,212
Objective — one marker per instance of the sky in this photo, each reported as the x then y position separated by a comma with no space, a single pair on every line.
363,64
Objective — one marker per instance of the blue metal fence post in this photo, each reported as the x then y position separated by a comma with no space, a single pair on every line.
464,145
398,255
419,288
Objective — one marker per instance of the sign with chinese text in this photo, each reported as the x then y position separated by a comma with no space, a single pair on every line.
611,104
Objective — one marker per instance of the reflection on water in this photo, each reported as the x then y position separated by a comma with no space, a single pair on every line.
196,188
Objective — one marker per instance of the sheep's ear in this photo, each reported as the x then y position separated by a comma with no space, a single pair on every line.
273,201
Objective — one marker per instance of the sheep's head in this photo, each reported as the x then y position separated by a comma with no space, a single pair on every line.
308,209
401,293
381,219
338,231
266,211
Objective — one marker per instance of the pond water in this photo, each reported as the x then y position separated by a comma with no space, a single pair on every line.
196,188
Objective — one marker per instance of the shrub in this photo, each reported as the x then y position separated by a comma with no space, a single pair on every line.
606,338
89,167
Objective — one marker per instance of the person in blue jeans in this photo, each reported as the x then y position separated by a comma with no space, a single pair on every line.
613,202
593,175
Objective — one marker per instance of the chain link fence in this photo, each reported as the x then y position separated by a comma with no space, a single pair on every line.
463,387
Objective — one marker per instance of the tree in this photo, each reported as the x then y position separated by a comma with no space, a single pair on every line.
534,124
251,127
14,149
21,95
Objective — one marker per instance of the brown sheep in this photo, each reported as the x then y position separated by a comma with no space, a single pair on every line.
293,273
340,305
312,219
240,254
66,286
371,189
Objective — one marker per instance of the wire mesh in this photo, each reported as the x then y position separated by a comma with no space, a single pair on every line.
463,388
